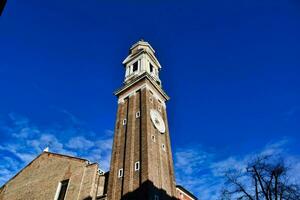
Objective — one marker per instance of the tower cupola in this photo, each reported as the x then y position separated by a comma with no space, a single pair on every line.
141,59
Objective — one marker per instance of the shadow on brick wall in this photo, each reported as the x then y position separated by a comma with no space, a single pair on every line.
147,191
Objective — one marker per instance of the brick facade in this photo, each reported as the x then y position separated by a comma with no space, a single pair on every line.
40,179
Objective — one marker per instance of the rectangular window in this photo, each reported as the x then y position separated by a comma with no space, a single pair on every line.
135,66
163,147
137,166
120,173
151,68
156,197
137,114
124,121
153,138
61,190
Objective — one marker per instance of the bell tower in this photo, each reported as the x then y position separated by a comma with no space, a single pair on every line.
141,163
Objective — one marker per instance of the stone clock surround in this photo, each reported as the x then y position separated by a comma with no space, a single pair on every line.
157,120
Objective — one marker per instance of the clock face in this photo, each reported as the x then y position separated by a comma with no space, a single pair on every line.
157,120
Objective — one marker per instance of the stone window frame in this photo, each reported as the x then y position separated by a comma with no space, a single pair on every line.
163,147
59,189
120,173
135,67
151,96
138,114
151,68
137,166
153,138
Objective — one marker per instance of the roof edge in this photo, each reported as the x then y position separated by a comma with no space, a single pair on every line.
186,191
43,153
142,42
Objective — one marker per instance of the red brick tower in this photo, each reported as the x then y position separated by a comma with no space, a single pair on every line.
141,164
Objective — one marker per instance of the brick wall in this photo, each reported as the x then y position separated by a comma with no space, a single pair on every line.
39,180
133,142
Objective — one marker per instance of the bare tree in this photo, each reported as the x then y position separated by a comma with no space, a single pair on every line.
265,178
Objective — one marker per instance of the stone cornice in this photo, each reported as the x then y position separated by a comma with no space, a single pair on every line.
133,56
138,79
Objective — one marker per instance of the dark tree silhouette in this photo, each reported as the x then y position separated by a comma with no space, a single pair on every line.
265,178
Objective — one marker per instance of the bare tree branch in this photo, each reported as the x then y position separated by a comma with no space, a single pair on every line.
264,178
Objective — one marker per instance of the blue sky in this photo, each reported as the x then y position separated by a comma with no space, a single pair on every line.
231,69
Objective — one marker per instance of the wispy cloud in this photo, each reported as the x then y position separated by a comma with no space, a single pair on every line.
203,173
193,171
25,140
80,143
71,116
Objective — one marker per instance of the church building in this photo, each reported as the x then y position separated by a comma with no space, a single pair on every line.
141,161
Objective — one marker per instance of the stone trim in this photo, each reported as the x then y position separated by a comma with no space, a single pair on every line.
142,76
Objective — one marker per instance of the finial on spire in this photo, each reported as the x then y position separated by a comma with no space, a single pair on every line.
46,149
